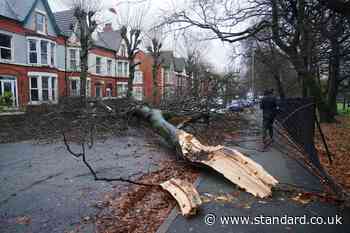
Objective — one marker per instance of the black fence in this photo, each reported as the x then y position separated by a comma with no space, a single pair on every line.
298,116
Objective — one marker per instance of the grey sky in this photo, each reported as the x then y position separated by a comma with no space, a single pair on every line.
217,52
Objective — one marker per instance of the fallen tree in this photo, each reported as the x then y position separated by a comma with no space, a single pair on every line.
236,167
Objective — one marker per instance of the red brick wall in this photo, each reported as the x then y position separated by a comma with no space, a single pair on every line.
146,69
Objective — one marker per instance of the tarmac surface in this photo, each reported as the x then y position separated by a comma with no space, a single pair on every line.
44,186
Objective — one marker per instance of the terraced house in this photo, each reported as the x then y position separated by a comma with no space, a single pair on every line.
39,56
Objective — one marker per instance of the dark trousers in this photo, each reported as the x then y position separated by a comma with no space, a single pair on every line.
268,126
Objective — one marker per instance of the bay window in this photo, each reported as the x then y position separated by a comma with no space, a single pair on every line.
120,68
41,52
43,87
98,65
109,67
53,53
73,59
33,52
126,69
44,52
5,47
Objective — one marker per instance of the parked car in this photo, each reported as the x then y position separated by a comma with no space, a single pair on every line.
236,106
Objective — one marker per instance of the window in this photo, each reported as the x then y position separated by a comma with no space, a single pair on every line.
98,90
126,69
75,87
34,90
122,89
44,52
138,93
98,65
8,86
73,59
109,67
40,22
41,52
109,90
138,79
33,52
43,88
53,54
5,47
122,50
120,68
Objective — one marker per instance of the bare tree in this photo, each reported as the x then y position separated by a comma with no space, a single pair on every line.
156,38
85,12
130,17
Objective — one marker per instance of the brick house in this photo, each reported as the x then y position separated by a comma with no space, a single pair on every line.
171,77
39,56
174,77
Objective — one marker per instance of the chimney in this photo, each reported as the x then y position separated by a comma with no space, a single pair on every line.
108,27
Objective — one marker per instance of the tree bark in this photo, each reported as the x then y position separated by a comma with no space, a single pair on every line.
232,164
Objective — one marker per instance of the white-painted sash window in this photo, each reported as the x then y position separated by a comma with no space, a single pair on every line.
43,88
40,22
122,88
41,52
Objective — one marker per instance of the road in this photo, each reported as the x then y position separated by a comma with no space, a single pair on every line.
53,191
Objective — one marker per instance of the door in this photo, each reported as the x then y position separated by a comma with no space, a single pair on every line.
8,88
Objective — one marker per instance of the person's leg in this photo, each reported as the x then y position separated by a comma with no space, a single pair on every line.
265,129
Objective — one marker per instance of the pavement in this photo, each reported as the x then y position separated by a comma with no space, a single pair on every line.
43,189
228,203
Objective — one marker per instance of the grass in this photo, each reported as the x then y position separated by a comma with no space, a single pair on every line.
342,111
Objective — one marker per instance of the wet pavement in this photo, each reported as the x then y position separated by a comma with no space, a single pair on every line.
246,206
45,189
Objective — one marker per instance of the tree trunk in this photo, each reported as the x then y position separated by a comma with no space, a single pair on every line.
155,83
232,164
131,78
333,81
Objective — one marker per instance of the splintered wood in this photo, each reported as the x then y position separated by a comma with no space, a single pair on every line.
185,194
232,164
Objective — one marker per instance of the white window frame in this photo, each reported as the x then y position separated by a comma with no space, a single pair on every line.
12,48
100,65
138,93
39,76
138,79
120,71
38,51
109,67
48,47
124,86
77,58
44,31
88,86
126,69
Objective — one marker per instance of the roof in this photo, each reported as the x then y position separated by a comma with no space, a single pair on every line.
110,40
16,9
20,10
180,64
167,58
65,21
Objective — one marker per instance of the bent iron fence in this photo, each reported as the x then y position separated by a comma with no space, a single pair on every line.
295,122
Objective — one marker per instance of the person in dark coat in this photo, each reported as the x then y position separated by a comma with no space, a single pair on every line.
269,107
